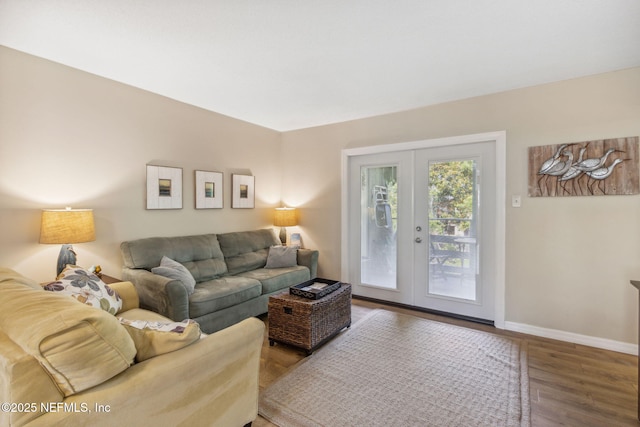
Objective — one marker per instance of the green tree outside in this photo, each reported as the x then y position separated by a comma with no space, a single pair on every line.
451,187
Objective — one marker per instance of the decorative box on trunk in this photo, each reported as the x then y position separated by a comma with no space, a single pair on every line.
307,323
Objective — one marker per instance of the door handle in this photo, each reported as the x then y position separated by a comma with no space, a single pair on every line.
418,239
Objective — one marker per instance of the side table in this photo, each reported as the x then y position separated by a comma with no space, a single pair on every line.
108,279
306,323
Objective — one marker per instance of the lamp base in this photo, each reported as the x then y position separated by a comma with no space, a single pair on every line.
283,236
66,256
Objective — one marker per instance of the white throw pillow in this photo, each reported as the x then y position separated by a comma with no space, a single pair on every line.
155,338
282,256
174,270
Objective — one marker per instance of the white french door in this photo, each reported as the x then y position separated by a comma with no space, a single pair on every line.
424,226
455,229
379,206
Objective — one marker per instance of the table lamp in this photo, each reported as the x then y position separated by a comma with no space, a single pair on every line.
67,226
284,217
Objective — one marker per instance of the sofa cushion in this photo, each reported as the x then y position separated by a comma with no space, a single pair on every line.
156,338
79,346
174,270
87,288
277,279
282,256
246,250
201,255
224,292
128,295
7,275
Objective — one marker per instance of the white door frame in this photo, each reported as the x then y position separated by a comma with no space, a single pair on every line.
500,140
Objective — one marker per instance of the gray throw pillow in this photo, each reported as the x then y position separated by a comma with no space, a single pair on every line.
174,270
282,256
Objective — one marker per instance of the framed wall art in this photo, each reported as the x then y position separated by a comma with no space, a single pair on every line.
588,168
295,240
242,191
209,193
164,187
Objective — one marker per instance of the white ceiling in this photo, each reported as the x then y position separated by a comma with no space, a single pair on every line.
290,64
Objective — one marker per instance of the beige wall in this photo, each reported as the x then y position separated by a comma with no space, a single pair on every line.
569,260
69,138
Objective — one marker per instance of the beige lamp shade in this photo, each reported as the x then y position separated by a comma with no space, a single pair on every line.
64,226
285,217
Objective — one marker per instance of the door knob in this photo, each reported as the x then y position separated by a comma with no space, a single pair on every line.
418,239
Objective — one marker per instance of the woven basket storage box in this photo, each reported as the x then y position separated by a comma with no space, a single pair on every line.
307,323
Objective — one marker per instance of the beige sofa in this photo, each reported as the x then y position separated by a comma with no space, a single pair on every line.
65,363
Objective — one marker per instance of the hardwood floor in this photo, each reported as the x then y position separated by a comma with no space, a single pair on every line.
569,384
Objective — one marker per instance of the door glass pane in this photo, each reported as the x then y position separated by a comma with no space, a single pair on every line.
452,229
378,225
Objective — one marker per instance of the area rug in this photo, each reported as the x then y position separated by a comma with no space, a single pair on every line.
392,369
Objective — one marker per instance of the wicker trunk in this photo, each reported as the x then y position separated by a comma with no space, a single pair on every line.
306,323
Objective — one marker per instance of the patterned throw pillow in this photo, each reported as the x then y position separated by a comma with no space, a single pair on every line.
87,288
155,338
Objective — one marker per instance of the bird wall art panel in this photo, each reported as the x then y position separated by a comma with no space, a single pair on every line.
589,168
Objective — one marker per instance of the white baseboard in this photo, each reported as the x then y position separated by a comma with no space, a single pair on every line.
604,343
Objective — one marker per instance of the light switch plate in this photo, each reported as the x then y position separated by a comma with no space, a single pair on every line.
516,201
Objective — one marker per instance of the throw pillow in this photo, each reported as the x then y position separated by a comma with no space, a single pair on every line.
174,270
282,256
156,338
87,288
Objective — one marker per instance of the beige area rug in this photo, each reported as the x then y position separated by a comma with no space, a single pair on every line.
392,369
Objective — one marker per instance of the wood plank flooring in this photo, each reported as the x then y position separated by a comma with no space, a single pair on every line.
570,384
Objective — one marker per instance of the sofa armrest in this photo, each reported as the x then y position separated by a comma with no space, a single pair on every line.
128,295
160,294
309,258
23,379
212,382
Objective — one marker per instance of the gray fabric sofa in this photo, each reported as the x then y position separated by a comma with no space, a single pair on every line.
231,281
